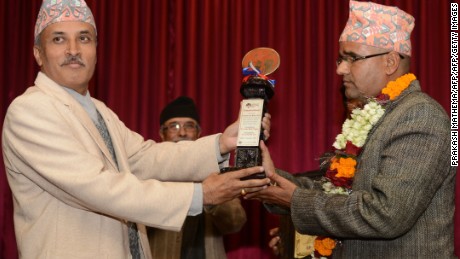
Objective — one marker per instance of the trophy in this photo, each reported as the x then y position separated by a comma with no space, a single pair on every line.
257,89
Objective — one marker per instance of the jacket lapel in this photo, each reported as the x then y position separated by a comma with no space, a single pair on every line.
86,121
50,87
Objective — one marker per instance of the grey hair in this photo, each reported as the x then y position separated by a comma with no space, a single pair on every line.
37,41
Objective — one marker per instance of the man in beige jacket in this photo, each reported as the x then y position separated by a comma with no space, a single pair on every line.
201,236
79,176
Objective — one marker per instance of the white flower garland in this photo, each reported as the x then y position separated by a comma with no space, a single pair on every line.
358,126
356,129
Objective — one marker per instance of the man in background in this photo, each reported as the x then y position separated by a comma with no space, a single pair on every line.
201,236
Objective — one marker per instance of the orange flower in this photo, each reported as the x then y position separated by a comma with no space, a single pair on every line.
321,249
394,88
328,243
345,167
334,163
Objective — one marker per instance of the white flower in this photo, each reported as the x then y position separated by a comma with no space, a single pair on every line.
313,256
359,142
367,127
327,187
361,119
358,126
340,142
330,188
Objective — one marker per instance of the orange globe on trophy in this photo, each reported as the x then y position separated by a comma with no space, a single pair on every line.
265,60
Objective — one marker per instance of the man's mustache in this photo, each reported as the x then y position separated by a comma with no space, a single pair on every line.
73,60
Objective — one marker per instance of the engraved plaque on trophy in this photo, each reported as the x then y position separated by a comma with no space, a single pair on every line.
257,89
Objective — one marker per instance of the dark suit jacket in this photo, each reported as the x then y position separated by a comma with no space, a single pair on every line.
402,203
211,226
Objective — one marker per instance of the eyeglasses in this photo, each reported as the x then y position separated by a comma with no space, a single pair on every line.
351,59
175,127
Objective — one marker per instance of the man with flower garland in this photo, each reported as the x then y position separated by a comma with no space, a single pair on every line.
388,190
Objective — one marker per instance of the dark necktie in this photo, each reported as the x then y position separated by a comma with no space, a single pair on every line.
132,228
193,237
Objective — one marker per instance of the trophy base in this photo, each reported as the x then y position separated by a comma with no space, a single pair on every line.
253,176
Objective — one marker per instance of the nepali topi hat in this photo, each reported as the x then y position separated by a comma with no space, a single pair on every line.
53,11
386,27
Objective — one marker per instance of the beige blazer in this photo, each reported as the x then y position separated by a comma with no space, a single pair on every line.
70,200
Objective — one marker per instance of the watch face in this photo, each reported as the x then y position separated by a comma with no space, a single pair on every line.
265,60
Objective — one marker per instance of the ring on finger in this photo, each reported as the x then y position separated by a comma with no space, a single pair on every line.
243,192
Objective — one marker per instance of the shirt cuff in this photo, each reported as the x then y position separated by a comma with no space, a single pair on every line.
196,207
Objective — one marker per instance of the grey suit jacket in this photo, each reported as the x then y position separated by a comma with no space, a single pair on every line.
70,198
402,203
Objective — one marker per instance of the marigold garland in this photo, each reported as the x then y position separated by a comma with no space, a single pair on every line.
324,246
348,144
345,167
394,88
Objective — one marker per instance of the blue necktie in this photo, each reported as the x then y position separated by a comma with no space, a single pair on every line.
132,228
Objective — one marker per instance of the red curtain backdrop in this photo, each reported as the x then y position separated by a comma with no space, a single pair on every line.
150,52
